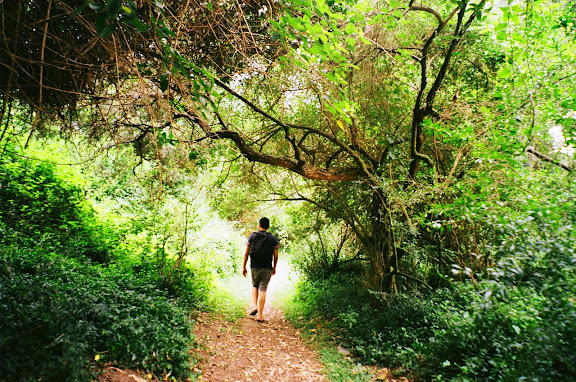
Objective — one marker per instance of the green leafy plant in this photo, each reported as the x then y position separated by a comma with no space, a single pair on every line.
60,314
38,202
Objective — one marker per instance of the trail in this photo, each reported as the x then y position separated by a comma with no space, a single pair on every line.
246,350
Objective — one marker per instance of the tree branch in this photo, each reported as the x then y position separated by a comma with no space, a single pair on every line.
308,171
420,111
418,7
304,169
547,158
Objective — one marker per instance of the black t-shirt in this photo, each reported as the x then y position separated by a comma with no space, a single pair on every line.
270,244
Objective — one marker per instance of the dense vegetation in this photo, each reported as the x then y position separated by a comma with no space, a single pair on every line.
515,321
417,157
81,290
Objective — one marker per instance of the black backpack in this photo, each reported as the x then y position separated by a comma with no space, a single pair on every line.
258,247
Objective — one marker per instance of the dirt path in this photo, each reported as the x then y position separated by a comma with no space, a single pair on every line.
247,350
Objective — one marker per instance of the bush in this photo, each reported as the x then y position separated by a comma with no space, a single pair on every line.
519,323
59,314
37,202
387,329
66,307
183,281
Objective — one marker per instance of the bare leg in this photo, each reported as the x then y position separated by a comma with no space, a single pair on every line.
255,297
261,302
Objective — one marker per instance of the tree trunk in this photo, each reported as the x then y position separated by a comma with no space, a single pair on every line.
380,246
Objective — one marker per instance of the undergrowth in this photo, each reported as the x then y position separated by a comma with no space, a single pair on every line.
322,336
76,296
483,332
62,318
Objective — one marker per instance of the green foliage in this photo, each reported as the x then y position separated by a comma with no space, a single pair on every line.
65,316
112,11
59,314
321,247
501,219
339,368
521,324
535,80
323,33
388,329
515,321
38,202
186,282
164,215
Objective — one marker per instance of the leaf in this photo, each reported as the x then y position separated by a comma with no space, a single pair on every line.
107,30
95,7
80,9
113,8
518,37
365,40
138,25
501,26
350,29
350,43
295,24
340,124
163,82
569,104
501,35
505,72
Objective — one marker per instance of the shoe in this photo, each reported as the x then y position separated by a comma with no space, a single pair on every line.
254,312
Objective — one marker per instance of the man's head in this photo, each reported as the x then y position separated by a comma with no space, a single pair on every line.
264,223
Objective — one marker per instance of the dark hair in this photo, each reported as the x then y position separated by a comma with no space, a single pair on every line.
264,223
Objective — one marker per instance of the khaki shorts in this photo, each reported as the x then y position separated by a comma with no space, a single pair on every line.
261,278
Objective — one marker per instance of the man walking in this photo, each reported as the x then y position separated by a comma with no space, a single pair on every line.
262,248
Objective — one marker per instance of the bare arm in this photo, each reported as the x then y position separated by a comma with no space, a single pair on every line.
246,252
275,260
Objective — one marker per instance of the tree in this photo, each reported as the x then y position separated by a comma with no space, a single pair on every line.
375,108
340,94
345,66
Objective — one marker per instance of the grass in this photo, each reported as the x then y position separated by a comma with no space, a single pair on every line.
338,367
230,297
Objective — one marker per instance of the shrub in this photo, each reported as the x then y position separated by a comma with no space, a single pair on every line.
59,314
37,202
73,294
517,324
521,325
388,329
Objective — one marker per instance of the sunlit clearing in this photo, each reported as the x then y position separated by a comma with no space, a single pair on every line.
235,293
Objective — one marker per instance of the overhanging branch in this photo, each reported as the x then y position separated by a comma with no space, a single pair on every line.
548,159
304,169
